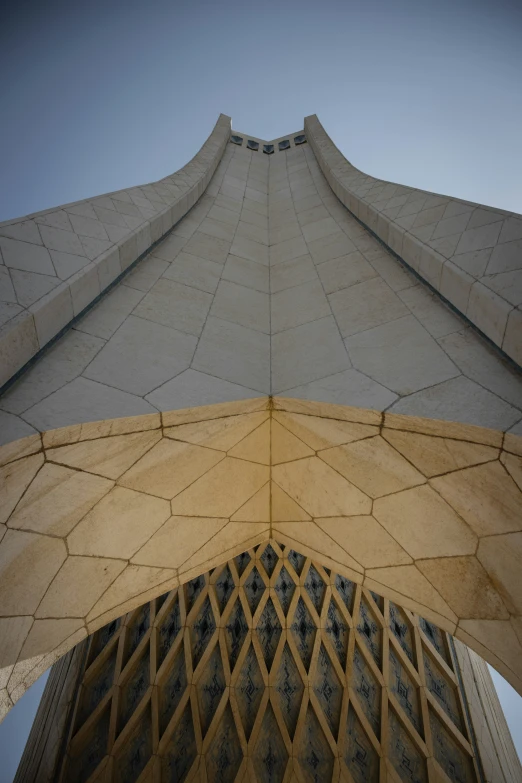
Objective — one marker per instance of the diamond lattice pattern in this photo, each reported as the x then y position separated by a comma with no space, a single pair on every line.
272,669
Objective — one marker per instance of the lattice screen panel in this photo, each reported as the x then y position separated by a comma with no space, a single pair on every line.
269,669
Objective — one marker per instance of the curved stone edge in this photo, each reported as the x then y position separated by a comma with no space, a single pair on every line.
498,754
417,234
250,434
23,336
45,740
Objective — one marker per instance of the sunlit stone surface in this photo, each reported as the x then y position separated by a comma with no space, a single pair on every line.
256,348
316,678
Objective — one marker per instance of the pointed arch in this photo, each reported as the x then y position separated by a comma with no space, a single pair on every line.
100,517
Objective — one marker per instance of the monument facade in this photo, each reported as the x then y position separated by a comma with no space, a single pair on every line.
270,668
266,352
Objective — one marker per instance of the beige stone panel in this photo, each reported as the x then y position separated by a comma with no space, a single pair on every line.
119,525
5,703
321,491
255,447
257,509
215,411
373,466
92,430
466,587
20,448
365,540
109,457
28,563
169,467
222,490
455,285
310,536
424,524
14,480
321,433
57,499
501,556
327,410
513,465
443,429
221,434
494,640
232,540
133,585
516,622
284,509
80,582
407,582
489,312
13,633
28,671
286,447
177,540
18,343
513,443
433,456
46,635
485,496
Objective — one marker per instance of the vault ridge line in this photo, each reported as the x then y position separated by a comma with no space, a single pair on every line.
374,501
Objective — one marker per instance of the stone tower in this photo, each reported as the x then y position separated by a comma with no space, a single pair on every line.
262,475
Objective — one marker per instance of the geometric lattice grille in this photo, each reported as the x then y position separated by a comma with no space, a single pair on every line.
269,669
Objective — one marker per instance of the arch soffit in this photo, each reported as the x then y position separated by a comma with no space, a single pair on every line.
97,518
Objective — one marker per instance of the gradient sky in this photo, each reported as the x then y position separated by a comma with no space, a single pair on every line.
108,94
104,95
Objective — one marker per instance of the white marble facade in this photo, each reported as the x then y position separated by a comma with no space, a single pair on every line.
268,285
55,263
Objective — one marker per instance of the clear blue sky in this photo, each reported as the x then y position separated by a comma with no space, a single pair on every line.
102,95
